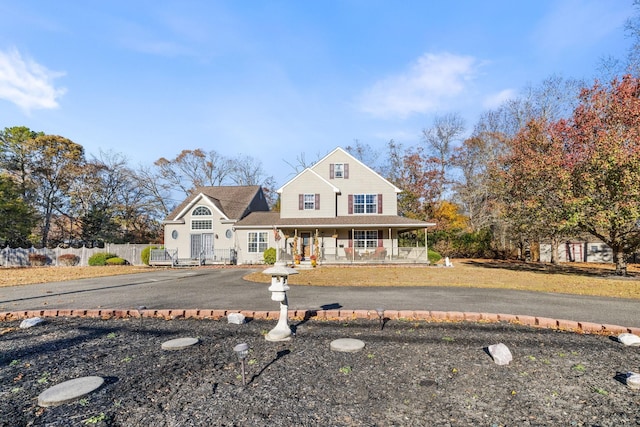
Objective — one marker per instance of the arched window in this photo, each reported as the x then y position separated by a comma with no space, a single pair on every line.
201,211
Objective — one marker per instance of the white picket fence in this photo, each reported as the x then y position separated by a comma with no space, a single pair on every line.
19,257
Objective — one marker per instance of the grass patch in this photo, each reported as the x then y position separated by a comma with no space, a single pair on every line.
29,276
570,278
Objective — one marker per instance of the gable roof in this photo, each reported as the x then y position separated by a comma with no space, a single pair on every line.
232,201
316,174
343,151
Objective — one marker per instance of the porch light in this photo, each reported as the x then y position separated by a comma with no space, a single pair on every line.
380,312
279,276
140,310
242,350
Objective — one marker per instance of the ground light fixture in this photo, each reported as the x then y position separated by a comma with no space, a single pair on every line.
242,350
380,312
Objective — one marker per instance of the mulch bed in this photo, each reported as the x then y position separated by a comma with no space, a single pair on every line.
409,374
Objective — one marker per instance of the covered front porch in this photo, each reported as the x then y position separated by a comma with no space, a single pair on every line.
349,246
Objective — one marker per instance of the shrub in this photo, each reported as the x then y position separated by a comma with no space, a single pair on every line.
115,261
270,256
38,259
68,259
433,256
100,258
145,255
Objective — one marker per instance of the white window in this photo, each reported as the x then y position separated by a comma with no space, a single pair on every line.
309,202
365,239
338,170
201,211
201,224
257,241
365,203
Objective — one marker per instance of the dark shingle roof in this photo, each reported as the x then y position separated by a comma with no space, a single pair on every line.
269,219
233,201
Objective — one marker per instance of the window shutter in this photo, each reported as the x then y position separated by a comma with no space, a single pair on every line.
350,204
317,201
379,203
300,202
345,172
379,238
350,239
332,172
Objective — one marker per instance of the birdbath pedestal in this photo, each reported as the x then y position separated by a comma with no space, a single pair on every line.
279,275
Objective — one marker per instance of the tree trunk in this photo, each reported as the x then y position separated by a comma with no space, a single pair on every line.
554,250
620,259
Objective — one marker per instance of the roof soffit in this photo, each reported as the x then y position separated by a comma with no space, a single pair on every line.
198,199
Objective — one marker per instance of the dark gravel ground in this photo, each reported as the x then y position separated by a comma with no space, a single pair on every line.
409,374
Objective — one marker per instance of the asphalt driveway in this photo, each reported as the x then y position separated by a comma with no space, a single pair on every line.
225,289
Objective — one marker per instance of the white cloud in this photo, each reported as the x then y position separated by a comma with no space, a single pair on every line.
26,83
430,81
495,100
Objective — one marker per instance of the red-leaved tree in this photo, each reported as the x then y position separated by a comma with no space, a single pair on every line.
602,146
536,185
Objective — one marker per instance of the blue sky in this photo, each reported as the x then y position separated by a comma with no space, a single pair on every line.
274,79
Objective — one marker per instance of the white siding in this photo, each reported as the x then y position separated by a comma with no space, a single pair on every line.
183,241
361,180
307,183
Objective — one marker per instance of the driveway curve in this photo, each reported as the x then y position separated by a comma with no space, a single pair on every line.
226,289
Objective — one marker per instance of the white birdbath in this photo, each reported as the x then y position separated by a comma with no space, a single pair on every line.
279,275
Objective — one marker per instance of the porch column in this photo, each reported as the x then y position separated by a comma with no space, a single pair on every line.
353,245
426,246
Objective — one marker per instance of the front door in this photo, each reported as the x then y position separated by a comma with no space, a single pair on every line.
305,245
202,246
207,246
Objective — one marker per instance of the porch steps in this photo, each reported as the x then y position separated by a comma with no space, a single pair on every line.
187,262
304,265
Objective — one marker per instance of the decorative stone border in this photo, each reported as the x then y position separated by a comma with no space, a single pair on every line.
341,315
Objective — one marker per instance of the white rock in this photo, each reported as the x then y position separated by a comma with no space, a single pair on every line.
500,353
236,318
179,343
633,380
27,323
629,339
347,345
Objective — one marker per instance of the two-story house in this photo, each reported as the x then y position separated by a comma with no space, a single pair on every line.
339,210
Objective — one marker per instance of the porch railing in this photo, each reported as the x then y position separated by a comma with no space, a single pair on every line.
163,257
221,256
381,255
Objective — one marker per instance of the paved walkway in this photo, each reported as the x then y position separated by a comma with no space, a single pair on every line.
225,289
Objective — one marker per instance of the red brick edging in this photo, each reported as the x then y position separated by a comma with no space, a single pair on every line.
419,315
